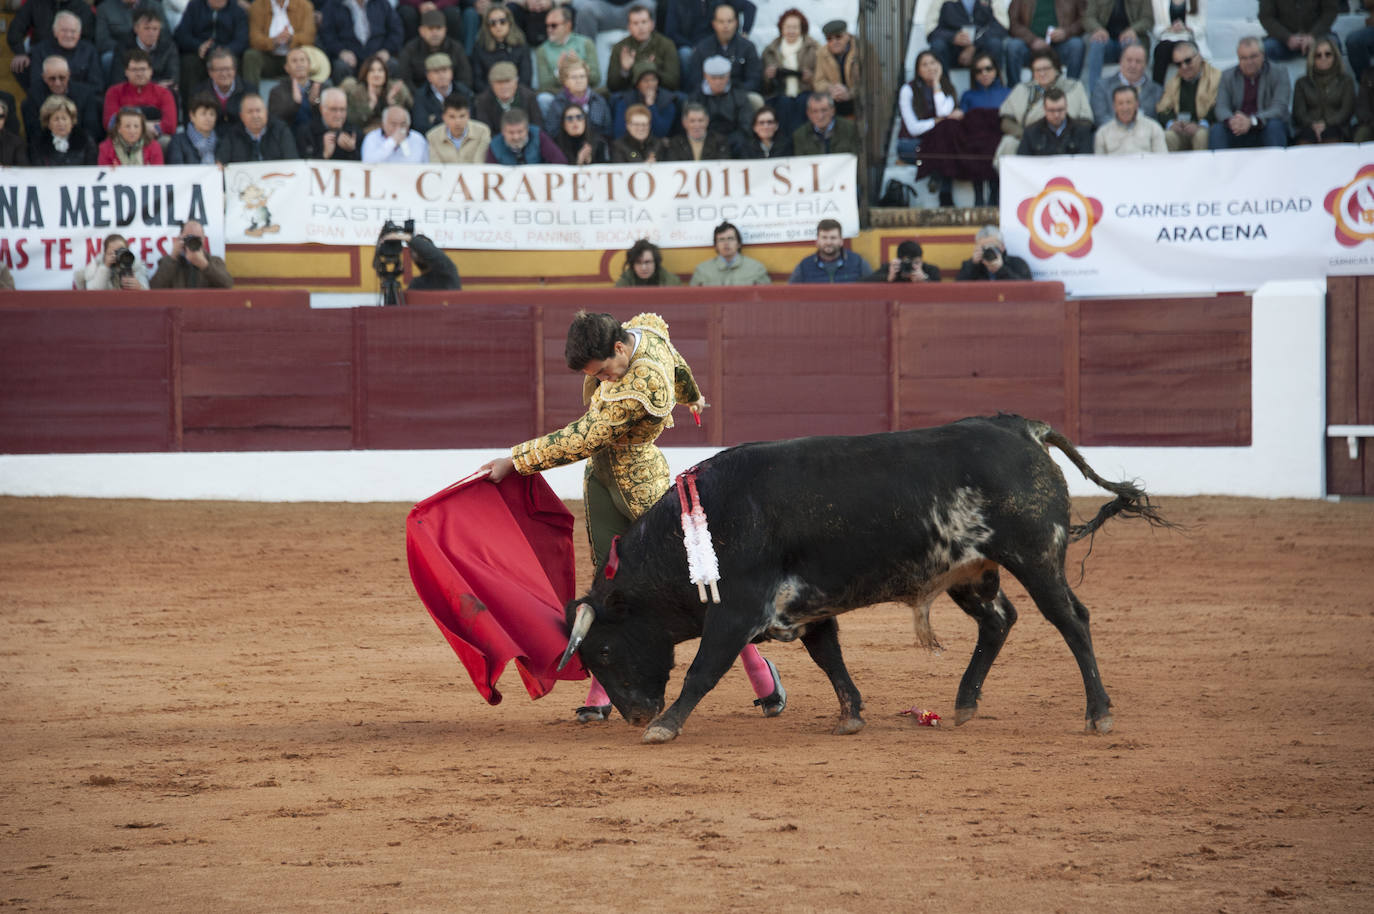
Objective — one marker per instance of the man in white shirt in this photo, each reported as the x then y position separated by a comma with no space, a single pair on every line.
394,141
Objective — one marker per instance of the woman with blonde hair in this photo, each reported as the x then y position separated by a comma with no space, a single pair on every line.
371,92
499,39
1323,97
61,142
131,143
575,78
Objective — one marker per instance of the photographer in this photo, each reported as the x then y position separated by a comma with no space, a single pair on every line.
907,267
117,269
190,265
990,259
435,271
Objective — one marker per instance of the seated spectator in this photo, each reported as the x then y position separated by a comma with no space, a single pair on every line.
662,104
638,143
1359,44
110,271
433,39
66,41
908,266
963,30
36,20
1175,21
1111,26
499,41
295,101
372,91
352,31
1044,25
1132,73
1188,106
727,106
1056,134
130,142
60,141
1252,102
394,141
644,267
851,61
256,137
1128,132
574,78
459,138
148,36
190,264
204,26
333,136
1323,98
765,141
930,122
1291,26
696,142
831,263
529,18
746,68
1364,108
688,22
275,27
982,129
990,259
562,41
56,73
729,267
522,143
1024,105
12,151
114,28
199,141
439,85
794,66
504,94
139,91
824,133
643,46
579,141
412,16
224,85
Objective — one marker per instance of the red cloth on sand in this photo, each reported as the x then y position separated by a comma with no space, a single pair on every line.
494,566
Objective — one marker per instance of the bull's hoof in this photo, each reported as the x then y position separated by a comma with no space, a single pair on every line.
1102,724
848,725
964,715
659,734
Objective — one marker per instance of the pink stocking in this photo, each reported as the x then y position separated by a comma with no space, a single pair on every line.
597,697
760,677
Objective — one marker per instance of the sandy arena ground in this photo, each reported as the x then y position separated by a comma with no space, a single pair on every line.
238,707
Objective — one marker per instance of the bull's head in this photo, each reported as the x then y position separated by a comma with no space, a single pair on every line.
628,655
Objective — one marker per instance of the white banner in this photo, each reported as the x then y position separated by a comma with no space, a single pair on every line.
53,221
541,207
1191,222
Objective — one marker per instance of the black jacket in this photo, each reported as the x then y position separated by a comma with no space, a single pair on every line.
411,63
751,148
181,151
1039,140
235,145
81,150
228,27
1013,267
89,108
229,113
880,275
487,109
310,143
440,272
679,149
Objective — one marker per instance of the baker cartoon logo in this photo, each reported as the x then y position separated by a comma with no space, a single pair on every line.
253,194
1352,206
1060,219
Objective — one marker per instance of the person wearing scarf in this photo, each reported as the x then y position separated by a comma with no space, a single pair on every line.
794,66
61,142
575,78
130,143
197,145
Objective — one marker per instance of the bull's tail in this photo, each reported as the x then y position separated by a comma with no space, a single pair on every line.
1131,499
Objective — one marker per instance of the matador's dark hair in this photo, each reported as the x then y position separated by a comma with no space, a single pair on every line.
592,336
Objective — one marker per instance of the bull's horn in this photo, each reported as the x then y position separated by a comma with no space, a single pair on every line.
581,623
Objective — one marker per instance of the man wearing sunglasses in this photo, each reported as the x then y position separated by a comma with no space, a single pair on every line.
1188,107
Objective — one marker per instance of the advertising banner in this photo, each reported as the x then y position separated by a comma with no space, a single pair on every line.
1191,222
540,207
54,221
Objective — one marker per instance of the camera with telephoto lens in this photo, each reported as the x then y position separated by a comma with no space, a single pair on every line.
992,253
904,267
388,262
124,263
192,242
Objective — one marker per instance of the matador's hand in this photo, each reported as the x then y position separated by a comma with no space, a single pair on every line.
500,468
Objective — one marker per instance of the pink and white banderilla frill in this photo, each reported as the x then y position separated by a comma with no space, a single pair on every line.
702,567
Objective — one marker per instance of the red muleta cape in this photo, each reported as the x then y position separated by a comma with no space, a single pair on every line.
494,566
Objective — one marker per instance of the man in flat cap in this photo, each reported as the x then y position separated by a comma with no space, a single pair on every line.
728,107
504,92
433,38
439,85
852,58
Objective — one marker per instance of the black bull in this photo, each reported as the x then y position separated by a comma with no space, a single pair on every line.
813,527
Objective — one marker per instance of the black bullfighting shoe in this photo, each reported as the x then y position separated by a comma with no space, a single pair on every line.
773,704
589,713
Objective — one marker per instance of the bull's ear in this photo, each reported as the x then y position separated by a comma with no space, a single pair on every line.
581,624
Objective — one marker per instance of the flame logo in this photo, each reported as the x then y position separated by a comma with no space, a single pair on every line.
1352,208
1060,219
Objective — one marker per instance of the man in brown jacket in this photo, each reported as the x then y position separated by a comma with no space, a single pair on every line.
190,265
275,27
1037,24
